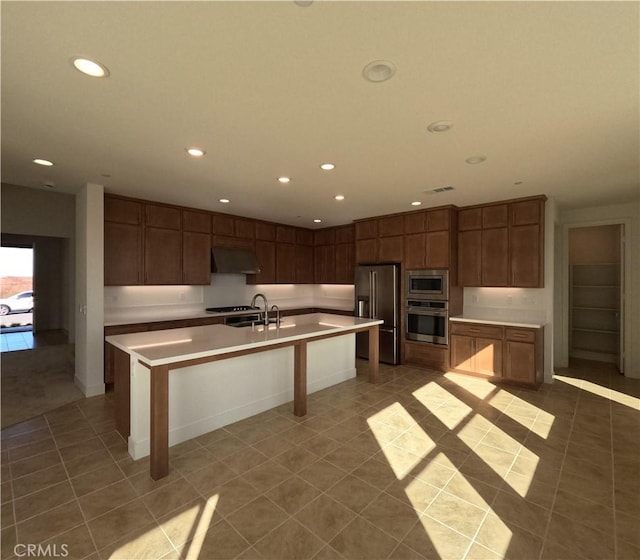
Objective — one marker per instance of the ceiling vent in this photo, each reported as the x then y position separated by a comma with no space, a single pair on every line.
439,190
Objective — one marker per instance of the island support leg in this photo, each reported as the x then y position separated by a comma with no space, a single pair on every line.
374,354
300,379
159,422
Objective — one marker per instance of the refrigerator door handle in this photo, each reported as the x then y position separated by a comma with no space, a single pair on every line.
374,295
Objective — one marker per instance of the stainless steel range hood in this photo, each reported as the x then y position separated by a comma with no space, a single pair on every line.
230,260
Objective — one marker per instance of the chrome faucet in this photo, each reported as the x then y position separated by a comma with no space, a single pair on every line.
266,306
275,308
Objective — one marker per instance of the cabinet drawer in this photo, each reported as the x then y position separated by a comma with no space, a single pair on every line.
476,329
520,335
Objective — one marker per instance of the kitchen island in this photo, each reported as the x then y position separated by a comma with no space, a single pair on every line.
173,385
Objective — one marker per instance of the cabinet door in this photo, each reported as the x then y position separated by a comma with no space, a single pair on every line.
285,234
526,257
196,221
244,228
285,263
391,249
344,234
325,264
469,255
495,215
122,211
366,251
392,225
222,224
415,247
368,229
526,212
488,356
266,232
122,254
304,264
162,256
520,359
495,257
196,258
438,249
415,222
266,255
438,220
344,263
166,217
469,218
461,352
304,236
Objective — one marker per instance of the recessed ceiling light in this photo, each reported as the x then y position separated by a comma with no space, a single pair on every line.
440,126
379,71
476,159
90,67
284,179
327,166
44,162
416,203
224,200
195,152
339,197
317,221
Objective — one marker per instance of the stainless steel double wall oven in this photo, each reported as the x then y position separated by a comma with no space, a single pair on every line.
427,306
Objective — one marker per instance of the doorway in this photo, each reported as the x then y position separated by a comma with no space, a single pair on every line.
16,297
596,294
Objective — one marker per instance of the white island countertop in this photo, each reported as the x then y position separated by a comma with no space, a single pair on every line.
503,322
157,348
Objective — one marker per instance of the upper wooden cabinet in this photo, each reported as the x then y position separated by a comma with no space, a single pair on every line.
266,255
367,229
166,217
285,234
502,244
415,222
285,263
196,221
265,231
122,211
196,258
123,242
223,224
391,226
344,234
162,256
244,228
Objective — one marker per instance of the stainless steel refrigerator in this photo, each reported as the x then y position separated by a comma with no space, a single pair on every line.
377,294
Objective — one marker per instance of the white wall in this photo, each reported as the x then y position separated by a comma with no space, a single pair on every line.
89,300
629,215
43,216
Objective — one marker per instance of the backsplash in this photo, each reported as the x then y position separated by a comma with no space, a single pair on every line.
514,304
226,289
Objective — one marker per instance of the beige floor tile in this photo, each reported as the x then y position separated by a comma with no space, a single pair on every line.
35,464
74,544
479,552
106,499
288,541
148,542
6,492
472,491
49,524
325,517
26,451
587,487
88,463
169,497
322,474
320,445
520,512
97,479
44,500
583,511
461,516
208,478
627,528
266,476
244,460
8,540
130,467
273,446
403,552
436,473
7,517
38,481
81,449
226,446
362,540
143,483
434,540
354,493
256,519
220,542
296,459
292,494
190,520
580,540
375,473
345,458
26,438
508,540
392,516
233,495
128,519
76,436
298,433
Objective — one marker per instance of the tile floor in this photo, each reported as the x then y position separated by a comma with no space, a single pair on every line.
22,338
420,466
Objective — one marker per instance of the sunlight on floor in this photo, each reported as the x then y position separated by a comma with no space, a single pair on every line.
599,390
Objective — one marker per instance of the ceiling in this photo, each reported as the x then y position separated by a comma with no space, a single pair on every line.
547,91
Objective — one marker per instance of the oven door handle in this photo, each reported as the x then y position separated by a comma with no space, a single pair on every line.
421,311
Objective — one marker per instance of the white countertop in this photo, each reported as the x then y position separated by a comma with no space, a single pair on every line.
504,322
168,346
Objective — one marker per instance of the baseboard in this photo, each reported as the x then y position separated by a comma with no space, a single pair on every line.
90,391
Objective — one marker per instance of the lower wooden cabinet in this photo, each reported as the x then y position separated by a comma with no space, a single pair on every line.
501,353
434,356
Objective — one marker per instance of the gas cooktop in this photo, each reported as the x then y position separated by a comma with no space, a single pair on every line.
230,309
